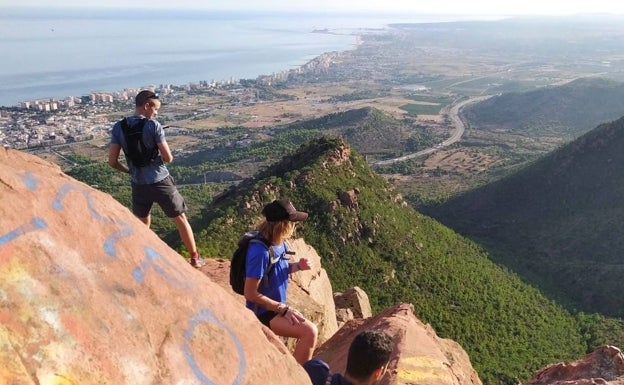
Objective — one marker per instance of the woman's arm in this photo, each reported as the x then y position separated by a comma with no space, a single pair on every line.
302,264
252,295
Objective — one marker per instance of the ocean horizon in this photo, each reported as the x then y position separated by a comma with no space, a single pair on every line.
56,53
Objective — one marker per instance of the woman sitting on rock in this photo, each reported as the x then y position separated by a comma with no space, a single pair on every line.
266,295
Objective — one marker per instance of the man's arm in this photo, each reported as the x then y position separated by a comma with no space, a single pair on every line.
113,158
165,152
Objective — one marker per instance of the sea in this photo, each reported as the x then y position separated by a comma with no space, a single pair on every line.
60,52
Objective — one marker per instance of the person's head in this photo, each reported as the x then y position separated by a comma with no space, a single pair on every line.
368,357
280,217
147,103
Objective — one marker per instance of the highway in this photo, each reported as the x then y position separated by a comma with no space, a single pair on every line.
455,136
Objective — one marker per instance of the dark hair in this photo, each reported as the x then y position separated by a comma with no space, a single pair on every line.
144,96
369,351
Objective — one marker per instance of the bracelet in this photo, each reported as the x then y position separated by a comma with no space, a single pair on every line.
285,311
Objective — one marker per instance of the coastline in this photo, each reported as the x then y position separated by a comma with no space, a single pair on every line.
190,48
275,75
274,51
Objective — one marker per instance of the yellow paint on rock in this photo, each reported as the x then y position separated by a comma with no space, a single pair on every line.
422,369
56,379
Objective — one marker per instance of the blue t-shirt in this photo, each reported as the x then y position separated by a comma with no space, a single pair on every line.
257,262
153,134
319,373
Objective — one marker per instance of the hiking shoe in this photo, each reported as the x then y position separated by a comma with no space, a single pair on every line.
197,262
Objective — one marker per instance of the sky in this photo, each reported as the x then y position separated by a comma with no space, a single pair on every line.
474,7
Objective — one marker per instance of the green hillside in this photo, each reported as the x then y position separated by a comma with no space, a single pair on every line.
568,110
239,151
370,131
557,222
398,255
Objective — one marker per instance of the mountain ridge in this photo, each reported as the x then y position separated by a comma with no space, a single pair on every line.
369,237
567,110
557,220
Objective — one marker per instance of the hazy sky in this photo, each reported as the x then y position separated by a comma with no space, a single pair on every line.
478,7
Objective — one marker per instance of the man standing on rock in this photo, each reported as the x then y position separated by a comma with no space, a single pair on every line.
142,139
367,362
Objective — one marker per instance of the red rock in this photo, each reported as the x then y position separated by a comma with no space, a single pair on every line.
420,356
90,295
604,365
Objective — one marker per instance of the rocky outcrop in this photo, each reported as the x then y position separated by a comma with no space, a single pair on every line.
315,283
604,365
90,295
355,300
420,356
338,156
349,198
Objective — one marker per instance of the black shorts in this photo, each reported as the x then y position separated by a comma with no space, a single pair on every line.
164,193
266,318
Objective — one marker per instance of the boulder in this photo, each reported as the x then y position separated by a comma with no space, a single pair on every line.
420,356
315,283
604,365
343,315
356,300
90,295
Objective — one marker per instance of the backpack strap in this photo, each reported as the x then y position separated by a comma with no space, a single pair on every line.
273,259
125,126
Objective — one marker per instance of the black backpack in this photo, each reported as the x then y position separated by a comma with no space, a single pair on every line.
238,262
136,151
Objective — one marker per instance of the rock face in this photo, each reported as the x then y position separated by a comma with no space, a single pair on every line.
315,283
89,295
420,356
356,300
604,365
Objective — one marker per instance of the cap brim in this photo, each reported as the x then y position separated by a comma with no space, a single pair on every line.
298,216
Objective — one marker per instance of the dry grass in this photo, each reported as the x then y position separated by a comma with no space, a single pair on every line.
461,161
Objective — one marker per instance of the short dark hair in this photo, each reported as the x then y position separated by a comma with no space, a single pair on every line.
369,351
143,96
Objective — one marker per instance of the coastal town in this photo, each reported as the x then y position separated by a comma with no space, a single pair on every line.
48,122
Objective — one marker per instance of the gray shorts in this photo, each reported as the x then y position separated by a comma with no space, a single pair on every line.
164,193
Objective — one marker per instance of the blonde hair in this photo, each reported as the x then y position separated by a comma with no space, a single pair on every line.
276,232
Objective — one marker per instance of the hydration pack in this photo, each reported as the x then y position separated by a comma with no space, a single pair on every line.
136,151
